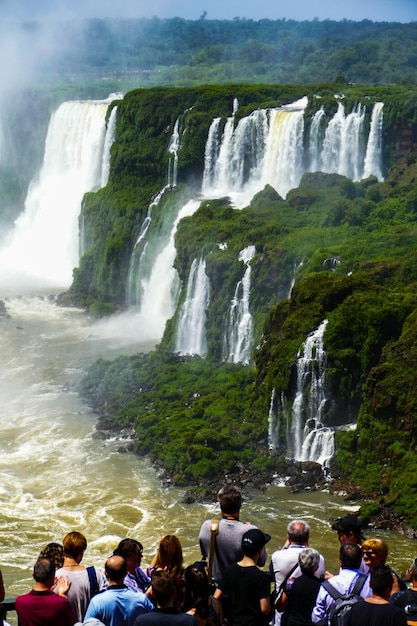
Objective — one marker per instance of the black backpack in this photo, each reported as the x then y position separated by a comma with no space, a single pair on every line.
343,602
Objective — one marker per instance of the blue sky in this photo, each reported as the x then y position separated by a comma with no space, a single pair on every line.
376,10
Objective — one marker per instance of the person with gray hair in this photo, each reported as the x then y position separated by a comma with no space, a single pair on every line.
299,596
284,562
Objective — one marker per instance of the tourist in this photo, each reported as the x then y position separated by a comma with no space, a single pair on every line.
169,559
344,582
132,551
198,600
376,610
299,597
42,605
284,562
165,613
246,586
349,529
55,552
375,552
85,582
229,534
117,605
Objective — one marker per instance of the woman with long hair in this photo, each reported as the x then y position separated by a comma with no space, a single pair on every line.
169,559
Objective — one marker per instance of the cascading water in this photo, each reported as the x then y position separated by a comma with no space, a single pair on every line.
43,248
373,157
240,325
310,439
267,148
191,333
140,266
108,142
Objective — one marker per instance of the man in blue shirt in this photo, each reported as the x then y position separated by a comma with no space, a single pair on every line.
118,605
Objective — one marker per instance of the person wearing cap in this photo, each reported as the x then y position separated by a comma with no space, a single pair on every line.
349,529
229,535
247,587
284,562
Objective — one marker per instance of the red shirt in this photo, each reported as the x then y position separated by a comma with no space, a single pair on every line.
44,608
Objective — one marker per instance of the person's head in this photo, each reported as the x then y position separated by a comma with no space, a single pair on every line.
298,532
308,560
54,552
163,588
44,572
375,552
169,555
381,581
253,542
75,545
196,589
131,550
349,529
230,499
350,556
115,569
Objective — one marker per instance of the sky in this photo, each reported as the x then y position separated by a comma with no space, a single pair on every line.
375,10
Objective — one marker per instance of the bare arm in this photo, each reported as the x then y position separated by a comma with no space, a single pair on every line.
265,606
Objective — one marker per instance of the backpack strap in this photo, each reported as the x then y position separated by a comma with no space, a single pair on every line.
357,587
214,529
92,578
332,591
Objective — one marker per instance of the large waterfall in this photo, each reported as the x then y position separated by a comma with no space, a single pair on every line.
43,248
268,147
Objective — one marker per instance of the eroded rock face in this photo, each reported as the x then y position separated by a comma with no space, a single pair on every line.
3,310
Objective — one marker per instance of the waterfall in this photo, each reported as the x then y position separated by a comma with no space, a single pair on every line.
108,142
139,267
344,141
316,139
284,150
267,148
191,336
373,155
43,248
161,288
310,439
173,148
240,326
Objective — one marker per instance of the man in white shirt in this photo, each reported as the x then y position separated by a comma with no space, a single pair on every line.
284,562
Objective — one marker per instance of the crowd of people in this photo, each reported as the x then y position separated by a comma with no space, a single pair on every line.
227,586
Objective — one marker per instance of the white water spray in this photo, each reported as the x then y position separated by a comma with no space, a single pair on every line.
191,333
43,249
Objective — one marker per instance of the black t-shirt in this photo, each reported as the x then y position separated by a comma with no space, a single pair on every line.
245,587
301,599
367,614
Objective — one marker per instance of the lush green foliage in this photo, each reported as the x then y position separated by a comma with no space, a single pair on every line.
192,417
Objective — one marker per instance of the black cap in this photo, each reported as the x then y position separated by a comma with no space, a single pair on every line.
349,524
255,539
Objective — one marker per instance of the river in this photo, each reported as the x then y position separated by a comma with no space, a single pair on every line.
57,478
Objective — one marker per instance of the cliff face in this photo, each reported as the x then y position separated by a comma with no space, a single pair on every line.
343,251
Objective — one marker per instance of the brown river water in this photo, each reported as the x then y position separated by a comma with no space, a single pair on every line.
56,478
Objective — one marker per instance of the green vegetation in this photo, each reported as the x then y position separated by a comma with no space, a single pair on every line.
201,419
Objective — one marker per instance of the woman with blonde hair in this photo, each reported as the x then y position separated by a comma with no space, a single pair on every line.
169,559
85,581
375,552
